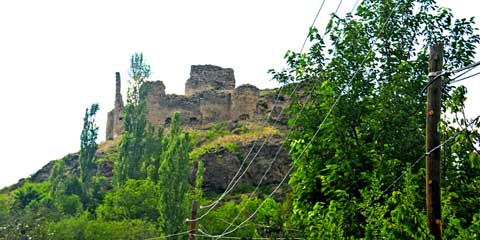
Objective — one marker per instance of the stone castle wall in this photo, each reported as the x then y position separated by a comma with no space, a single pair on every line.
245,100
207,78
210,96
114,118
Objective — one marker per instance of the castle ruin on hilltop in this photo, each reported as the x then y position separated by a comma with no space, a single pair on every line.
210,96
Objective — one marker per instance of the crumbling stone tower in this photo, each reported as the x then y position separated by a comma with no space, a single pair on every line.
210,96
114,118
209,78
244,102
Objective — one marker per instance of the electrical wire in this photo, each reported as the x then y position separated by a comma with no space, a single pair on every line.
355,5
256,238
328,113
437,75
461,74
234,179
269,115
254,213
278,151
268,139
464,78
311,26
167,236
307,146
423,155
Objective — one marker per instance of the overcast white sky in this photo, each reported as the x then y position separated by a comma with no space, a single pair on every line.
58,57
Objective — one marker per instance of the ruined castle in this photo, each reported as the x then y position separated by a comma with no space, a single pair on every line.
210,96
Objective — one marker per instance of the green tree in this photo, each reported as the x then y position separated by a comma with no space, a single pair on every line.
173,179
26,195
132,144
136,199
56,178
88,148
269,221
460,171
155,145
3,209
83,227
363,122
69,205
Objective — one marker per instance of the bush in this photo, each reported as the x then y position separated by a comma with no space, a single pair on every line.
82,228
137,199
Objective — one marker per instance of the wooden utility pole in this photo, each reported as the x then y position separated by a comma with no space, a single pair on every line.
432,162
193,215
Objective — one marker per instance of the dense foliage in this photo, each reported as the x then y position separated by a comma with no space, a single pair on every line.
150,187
362,125
356,143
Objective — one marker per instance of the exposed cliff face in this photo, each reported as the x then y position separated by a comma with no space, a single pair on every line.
222,165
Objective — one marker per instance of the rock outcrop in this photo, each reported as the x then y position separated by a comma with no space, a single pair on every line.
222,165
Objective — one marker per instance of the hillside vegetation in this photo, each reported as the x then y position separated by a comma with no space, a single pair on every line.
353,153
141,185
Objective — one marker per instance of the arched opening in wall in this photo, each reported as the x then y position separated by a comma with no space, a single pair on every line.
244,117
193,120
120,118
168,121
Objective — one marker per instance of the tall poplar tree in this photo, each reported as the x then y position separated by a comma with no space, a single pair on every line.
88,148
132,145
173,179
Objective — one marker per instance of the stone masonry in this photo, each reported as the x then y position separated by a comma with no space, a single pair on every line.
210,96
207,78
114,118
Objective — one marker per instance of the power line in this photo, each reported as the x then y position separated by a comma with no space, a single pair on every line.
309,143
266,140
234,180
167,236
254,213
256,238
269,115
423,155
311,26
437,75
281,112
328,113
464,78
467,71
355,5
442,73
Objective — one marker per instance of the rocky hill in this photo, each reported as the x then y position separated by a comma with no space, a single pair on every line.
227,124
221,147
